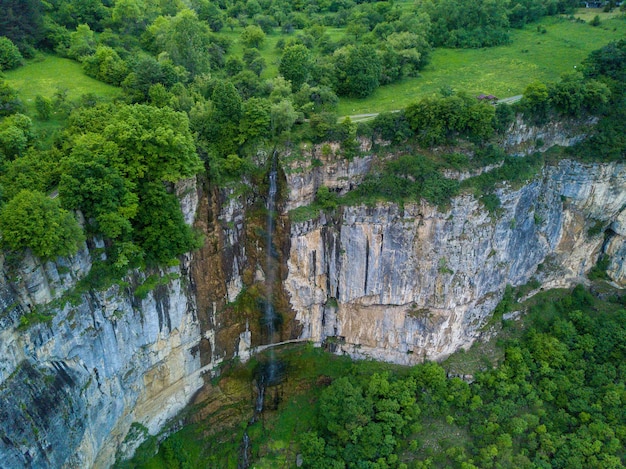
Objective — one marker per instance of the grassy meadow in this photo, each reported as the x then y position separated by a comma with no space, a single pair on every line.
46,75
504,70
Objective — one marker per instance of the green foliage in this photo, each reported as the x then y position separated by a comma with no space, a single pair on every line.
295,65
598,271
408,178
82,43
256,119
106,65
357,71
116,162
32,318
10,56
16,134
100,192
361,421
515,170
436,120
152,282
160,228
393,127
608,61
326,199
185,39
22,21
35,170
253,36
43,106
9,100
464,23
282,116
573,94
33,220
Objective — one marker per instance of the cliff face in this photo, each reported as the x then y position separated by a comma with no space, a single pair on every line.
405,285
105,368
72,385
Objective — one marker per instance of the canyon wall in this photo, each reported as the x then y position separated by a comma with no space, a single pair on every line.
80,367
86,374
418,282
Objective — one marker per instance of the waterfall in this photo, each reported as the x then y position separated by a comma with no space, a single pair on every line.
270,373
244,458
270,275
270,317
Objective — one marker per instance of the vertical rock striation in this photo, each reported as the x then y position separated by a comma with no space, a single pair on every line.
78,367
419,283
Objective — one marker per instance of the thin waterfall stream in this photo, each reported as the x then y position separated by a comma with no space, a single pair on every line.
270,317
269,373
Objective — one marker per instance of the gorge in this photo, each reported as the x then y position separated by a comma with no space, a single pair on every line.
85,375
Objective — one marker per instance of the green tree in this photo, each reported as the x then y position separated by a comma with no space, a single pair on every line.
252,36
43,106
283,116
148,71
357,71
226,102
211,13
535,100
16,134
160,227
130,16
185,39
82,43
21,21
106,65
34,220
35,170
100,192
10,56
256,119
9,100
153,143
295,65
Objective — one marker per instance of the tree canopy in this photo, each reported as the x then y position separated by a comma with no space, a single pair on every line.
34,220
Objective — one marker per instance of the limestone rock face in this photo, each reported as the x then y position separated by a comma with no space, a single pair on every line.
86,374
523,138
304,177
79,367
419,283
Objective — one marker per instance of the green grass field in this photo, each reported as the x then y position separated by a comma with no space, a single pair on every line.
47,74
503,71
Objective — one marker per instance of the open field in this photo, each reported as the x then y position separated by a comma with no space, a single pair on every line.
503,71
47,74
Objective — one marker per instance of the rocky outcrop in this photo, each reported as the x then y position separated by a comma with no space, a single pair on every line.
523,138
322,165
417,283
85,373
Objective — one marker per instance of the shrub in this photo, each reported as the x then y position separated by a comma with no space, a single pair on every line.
43,106
10,56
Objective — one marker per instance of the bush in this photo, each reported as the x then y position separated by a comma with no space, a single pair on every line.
10,56
34,220
43,107
326,199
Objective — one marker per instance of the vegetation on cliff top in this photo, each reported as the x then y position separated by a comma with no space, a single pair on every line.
198,82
